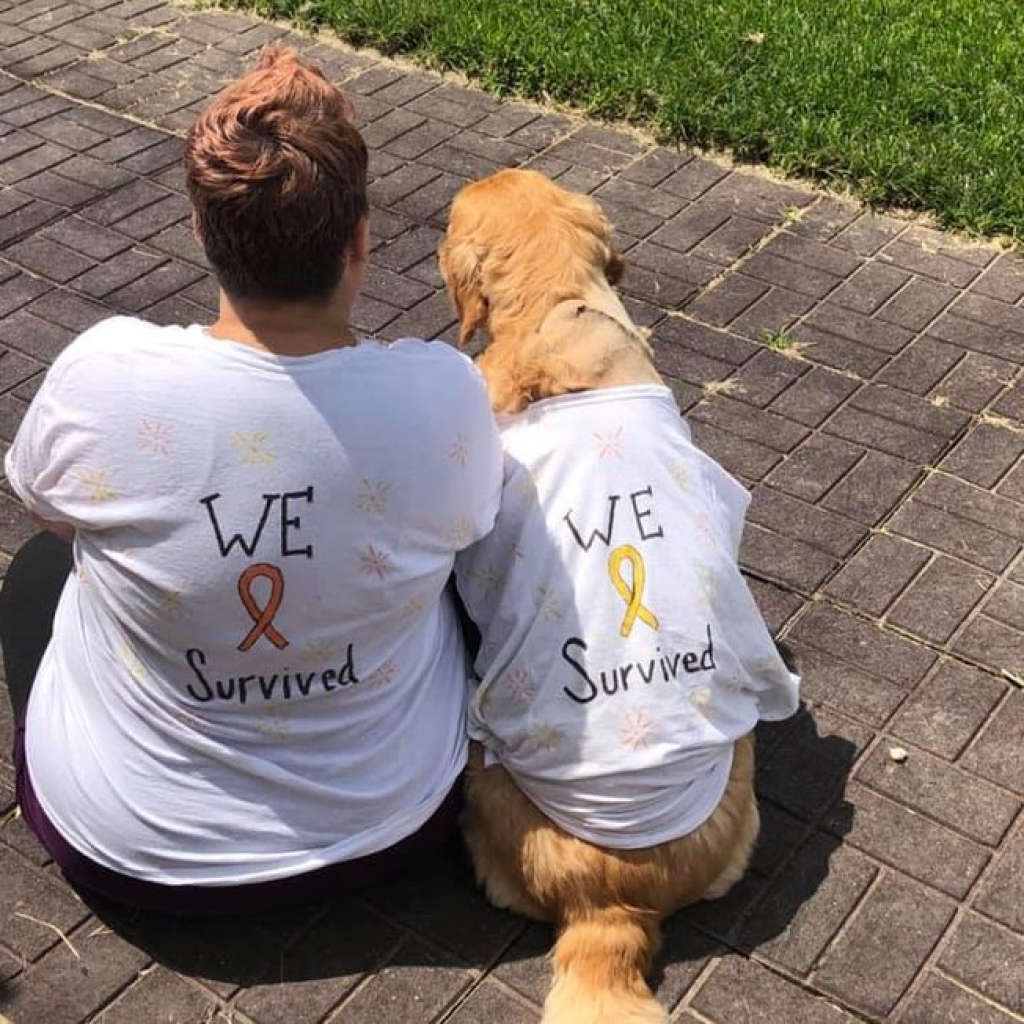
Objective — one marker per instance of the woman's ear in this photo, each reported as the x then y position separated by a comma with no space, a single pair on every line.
460,265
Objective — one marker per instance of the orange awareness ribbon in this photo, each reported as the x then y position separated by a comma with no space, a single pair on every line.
262,617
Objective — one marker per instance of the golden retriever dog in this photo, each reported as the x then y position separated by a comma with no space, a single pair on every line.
532,266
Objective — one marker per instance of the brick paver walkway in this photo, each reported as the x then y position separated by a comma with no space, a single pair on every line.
884,446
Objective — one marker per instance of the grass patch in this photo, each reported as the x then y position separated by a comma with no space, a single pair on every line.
778,341
915,103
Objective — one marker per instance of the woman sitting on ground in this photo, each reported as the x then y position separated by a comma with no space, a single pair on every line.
237,675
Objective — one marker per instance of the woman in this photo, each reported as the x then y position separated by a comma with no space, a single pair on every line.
255,686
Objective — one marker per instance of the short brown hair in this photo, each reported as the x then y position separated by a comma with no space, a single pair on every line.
276,173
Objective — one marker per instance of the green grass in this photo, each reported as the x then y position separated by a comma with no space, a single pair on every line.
915,103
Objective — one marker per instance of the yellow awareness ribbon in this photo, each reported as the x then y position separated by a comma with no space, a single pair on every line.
633,592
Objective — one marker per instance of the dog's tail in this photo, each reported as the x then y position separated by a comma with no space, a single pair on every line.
600,961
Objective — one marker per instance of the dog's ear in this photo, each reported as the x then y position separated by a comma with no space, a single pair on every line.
460,263
615,266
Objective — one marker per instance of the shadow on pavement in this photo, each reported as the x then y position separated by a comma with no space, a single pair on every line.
435,916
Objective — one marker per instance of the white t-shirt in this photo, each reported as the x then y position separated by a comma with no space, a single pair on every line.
255,670
623,654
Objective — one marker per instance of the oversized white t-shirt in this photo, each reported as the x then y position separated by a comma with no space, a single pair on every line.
255,669
623,654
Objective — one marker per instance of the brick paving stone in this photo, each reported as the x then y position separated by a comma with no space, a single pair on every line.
764,377
837,684
449,911
46,257
878,573
815,396
943,792
842,354
63,309
898,836
978,337
413,990
318,971
845,323
876,957
123,269
870,287
921,365
160,996
938,600
61,191
777,604
30,893
1001,895
808,766
1003,279
917,304
975,381
491,1003
760,196
1004,732
801,913
692,225
948,709
42,340
865,644
824,219
66,986
743,992
987,959
749,422
955,535
699,338
940,1001
727,299
791,517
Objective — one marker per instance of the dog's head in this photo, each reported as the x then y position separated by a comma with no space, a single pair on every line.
518,244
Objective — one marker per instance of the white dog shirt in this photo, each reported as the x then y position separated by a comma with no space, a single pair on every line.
622,654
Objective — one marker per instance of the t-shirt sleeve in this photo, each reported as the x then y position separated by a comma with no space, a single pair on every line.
57,464
37,461
484,462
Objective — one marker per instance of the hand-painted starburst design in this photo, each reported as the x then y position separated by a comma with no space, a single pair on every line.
415,605
520,685
637,730
171,604
373,498
708,583
609,446
374,562
156,438
701,698
130,660
316,652
461,534
459,450
273,723
549,605
680,473
253,448
97,484
545,736
487,578
382,675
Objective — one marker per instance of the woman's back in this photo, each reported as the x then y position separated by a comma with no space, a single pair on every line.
261,545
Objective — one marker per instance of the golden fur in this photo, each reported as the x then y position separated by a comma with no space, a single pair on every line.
532,265
520,257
